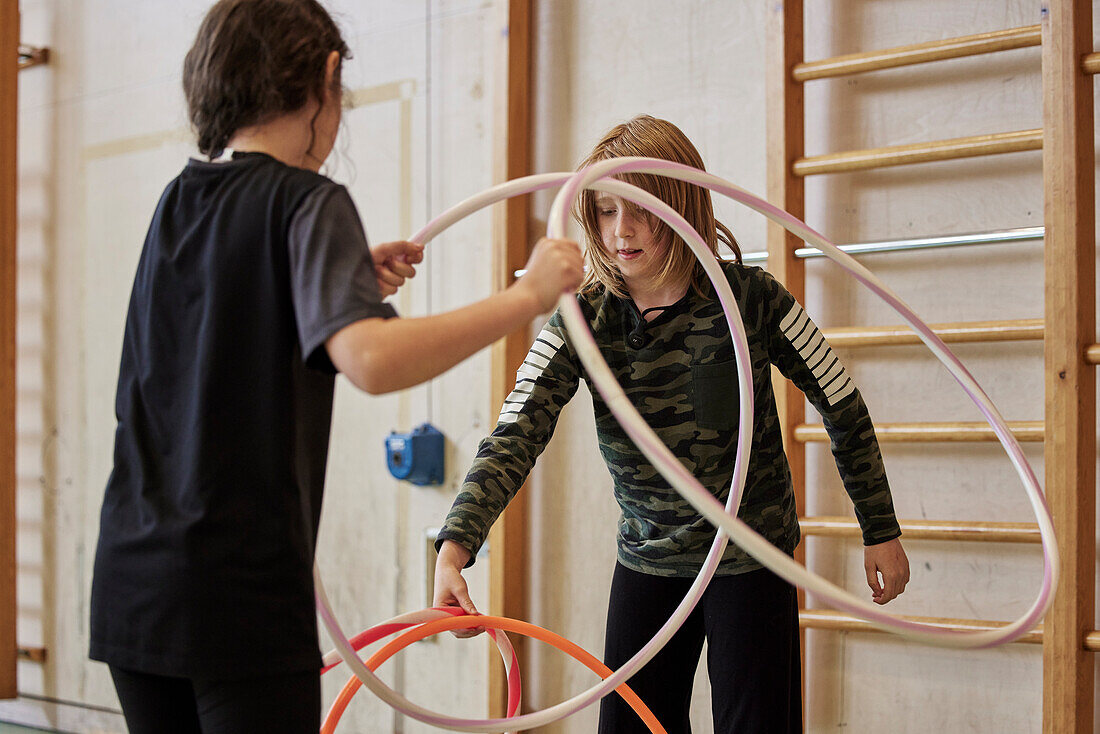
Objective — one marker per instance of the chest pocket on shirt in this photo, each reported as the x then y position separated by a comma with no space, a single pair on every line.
716,400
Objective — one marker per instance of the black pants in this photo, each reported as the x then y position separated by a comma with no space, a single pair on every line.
277,704
750,622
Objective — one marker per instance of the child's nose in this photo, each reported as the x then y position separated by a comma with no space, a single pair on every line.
624,225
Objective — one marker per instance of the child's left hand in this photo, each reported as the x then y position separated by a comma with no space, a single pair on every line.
393,264
889,560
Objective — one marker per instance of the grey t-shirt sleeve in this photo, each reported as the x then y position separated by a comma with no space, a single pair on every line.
331,272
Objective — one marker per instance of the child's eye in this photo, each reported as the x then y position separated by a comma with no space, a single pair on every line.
607,212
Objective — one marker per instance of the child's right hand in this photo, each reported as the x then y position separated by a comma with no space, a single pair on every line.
393,264
450,587
555,267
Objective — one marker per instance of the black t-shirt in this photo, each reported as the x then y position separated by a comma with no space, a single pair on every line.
224,406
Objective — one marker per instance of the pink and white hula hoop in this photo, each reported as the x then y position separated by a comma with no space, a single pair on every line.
744,373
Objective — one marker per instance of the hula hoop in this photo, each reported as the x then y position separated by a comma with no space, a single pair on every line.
400,623
744,373
739,532
491,624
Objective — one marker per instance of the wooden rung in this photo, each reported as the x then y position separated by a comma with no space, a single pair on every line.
990,532
32,56
939,150
1092,641
33,654
1091,64
825,619
1092,354
919,53
971,331
931,432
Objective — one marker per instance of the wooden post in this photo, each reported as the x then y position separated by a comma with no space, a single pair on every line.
786,144
1070,454
512,158
9,121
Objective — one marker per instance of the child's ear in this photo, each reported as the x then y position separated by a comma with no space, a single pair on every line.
332,70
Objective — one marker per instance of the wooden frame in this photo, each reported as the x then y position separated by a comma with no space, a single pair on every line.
1068,328
786,142
1070,455
512,158
9,120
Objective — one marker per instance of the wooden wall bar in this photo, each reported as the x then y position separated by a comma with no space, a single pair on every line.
1069,171
512,159
939,150
949,48
830,620
979,531
9,70
786,144
961,332
951,432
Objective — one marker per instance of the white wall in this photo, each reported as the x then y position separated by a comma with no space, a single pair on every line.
103,128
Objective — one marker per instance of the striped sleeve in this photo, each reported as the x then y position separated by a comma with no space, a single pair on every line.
800,351
826,368
545,382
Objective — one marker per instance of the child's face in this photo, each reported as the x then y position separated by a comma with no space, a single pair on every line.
629,240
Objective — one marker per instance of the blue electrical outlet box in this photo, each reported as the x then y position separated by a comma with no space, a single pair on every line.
417,456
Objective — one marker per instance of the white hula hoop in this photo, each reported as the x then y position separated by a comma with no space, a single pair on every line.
741,350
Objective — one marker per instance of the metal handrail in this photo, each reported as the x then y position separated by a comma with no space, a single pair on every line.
1018,234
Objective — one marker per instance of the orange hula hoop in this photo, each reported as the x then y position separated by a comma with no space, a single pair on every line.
498,623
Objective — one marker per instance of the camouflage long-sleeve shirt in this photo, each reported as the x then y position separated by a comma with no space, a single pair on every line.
678,370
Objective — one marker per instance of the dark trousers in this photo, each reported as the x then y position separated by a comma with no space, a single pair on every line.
277,704
750,623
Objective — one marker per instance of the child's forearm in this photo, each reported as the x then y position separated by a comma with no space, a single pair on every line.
383,355
453,555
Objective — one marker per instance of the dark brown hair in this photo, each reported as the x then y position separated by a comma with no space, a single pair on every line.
254,60
652,137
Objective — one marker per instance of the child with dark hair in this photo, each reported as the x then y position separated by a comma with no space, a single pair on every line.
661,329
254,288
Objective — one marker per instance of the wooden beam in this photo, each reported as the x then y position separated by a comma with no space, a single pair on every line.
33,654
1070,452
959,332
938,150
919,53
512,158
9,181
827,619
786,139
948,432
32,56
979,531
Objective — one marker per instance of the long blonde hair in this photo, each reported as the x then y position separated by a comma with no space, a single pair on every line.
652,137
